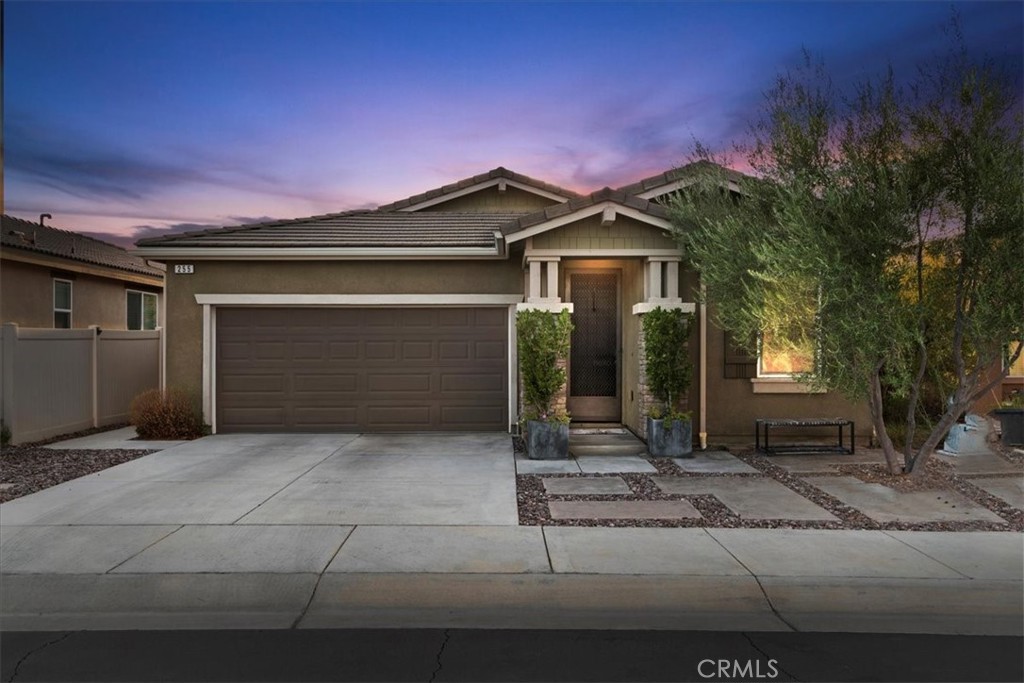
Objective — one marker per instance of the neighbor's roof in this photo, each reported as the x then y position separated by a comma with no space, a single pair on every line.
43,239
352,229
494,174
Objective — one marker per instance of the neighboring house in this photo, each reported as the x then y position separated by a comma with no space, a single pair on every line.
51,278
403,318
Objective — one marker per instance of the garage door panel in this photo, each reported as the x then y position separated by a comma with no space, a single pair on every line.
362,369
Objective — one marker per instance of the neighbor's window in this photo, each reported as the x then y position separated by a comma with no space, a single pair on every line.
62,304
1017,367
782,360
141,310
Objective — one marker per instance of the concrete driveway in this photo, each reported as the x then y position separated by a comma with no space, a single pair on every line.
294,479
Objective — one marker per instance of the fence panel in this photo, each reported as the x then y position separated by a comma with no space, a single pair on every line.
55,382
129,363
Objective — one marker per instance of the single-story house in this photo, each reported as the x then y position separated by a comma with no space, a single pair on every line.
52,278
402,318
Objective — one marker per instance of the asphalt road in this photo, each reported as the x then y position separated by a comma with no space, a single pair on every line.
502,655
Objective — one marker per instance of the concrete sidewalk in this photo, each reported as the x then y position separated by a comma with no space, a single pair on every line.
209,576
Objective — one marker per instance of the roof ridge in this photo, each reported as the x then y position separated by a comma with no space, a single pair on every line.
499,172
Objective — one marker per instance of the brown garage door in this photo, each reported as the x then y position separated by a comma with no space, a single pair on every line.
362,369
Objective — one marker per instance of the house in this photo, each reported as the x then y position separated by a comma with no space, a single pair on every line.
402,318
52,278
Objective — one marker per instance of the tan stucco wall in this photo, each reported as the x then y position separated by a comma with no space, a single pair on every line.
26,296
489,200
184,315
624,233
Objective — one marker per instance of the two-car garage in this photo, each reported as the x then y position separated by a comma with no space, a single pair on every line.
361,369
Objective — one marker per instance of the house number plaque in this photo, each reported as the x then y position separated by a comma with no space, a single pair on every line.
186,268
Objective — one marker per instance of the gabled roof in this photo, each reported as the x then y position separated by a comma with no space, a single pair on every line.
675,178
43,239
467,185
362,229
580,205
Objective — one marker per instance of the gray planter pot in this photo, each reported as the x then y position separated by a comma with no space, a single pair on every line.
1012,421
547,440
672,440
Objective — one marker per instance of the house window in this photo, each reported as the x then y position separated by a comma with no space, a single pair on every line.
782,360
141,310
1017,367
62,304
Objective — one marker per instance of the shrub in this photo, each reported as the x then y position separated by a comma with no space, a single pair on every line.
543,347
169,414
666,332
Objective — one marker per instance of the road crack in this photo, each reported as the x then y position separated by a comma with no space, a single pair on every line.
440,654
14,674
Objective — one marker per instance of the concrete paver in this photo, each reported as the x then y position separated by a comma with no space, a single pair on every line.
540,601
714,462
748,497
622,509
443,549
587,486
73,550
821,553
236,548
980,464
602,550
526,466
825,462
1010,489
614,464
884,504
996,555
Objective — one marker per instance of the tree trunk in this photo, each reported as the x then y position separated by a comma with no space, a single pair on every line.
878,421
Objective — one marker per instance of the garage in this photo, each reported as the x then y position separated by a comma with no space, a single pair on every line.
383,369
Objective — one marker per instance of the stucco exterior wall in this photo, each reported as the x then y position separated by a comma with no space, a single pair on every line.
624,233
26,296
489,200
185,319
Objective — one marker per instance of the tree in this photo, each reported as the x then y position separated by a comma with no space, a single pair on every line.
860,207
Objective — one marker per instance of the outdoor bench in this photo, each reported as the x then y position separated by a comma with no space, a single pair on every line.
764,425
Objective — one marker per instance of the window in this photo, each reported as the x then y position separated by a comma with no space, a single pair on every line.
62,304
782,360
141,310
1017,367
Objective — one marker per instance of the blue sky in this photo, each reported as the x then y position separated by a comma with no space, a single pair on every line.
133,118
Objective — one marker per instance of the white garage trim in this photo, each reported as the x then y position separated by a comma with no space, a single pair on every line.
362,300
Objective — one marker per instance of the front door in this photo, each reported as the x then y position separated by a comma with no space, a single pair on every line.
594,358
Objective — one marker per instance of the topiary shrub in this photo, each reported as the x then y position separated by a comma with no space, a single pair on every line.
171,414
669,373
544,340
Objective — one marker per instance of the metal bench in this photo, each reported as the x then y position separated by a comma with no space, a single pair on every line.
766,424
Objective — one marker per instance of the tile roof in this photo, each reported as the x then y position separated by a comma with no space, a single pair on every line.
573,205
500,172
672,175
44,239
358,229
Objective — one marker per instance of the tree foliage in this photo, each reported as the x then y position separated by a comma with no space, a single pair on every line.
883,230
543,344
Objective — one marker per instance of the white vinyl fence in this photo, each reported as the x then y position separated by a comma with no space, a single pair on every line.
60,381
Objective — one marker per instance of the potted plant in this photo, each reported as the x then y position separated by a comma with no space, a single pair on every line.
1011,417
543,341
669,431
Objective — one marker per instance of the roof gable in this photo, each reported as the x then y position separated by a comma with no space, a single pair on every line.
665,183
499,177
44,239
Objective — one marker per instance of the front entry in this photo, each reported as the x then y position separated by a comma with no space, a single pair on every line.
594,358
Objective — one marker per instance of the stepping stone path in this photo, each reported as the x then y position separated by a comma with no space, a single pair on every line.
583,486
989,463
884,504
714,462
823,462
614,464
526,466
748,497
622,509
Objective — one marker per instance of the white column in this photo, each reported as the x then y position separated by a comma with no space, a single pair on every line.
552,291
654,274
672,280
535,293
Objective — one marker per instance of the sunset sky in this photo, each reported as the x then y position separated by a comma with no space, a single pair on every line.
130,119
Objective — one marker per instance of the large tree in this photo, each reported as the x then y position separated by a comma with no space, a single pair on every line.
861,207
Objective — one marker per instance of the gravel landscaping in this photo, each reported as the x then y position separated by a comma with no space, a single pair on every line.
29,467
939,476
